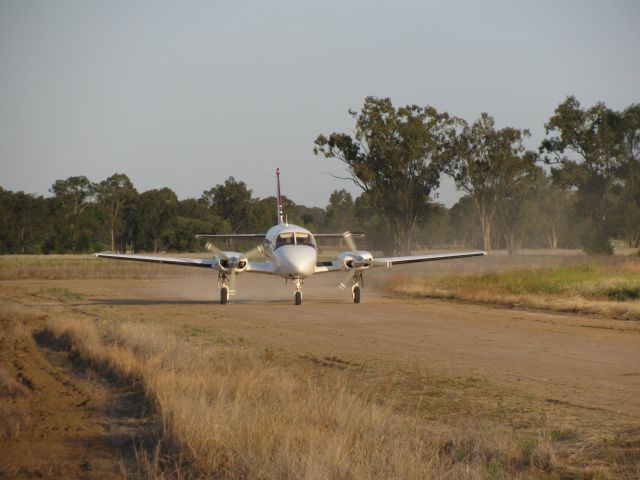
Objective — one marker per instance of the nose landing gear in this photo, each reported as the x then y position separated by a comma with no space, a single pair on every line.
297,299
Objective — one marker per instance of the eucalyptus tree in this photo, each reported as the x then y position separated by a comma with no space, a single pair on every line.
485,163
396,156
518,211
155,209
341,212
232,202
464,230
555,205
629,210
24,222
72,196
586,150
114,194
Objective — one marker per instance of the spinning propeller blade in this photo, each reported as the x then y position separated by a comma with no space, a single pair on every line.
351,244
212,248
233,271
232,280
343,283
348,239
254,252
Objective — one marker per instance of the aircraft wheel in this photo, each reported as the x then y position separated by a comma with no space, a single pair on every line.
298,298
356,294
224,295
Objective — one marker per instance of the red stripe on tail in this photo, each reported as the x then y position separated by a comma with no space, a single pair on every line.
280,211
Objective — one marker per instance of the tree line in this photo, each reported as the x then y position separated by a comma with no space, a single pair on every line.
581,188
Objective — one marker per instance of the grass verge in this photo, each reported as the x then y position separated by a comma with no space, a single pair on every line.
610,289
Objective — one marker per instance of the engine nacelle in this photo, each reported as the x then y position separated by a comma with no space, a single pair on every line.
232,261
359,259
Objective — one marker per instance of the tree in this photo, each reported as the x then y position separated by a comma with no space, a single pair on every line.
180,232
396,157
554,204
113,193
517,211
374,225
585,148
629,207
231,201
72,196
464,229
155,209
433,232
24,222
341,212
312,218
484,163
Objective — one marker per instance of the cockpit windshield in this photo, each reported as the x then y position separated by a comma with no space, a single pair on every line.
303,238
297,238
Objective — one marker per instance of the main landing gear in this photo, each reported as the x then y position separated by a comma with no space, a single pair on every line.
356,288
225,291
224,295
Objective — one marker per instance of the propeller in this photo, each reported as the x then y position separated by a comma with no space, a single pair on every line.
348,239
351,244
212,248
343,283
233,261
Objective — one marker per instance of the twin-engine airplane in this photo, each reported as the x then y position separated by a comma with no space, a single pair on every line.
291,253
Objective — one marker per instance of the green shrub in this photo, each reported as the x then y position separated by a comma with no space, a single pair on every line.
623,293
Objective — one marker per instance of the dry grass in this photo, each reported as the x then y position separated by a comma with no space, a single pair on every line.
11,418
64,267
9,386
235,411
13,330
609,287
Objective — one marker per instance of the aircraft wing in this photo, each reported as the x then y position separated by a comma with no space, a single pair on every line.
253,267
336,235
331,266
260,267
338,266
186,262
232,235
388,261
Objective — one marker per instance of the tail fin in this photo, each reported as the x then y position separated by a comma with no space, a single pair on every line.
280,210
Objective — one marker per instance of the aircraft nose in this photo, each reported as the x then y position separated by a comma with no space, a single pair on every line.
301,260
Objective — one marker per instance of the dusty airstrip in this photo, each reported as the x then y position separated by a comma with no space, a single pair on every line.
579,374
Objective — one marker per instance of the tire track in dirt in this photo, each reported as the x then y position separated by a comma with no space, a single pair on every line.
58,419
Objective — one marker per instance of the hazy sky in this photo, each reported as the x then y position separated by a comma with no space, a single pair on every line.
185,94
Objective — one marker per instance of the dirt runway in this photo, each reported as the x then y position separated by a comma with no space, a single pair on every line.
585,361
578,372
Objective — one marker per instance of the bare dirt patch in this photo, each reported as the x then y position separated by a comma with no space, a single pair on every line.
58,419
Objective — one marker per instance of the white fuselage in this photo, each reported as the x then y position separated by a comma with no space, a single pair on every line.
292,249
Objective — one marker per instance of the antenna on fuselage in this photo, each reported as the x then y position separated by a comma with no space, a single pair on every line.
280,210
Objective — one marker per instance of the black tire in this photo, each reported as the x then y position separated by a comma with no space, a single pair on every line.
356,294
224,295
298,298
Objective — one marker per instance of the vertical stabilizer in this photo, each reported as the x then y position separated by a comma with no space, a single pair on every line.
280,211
